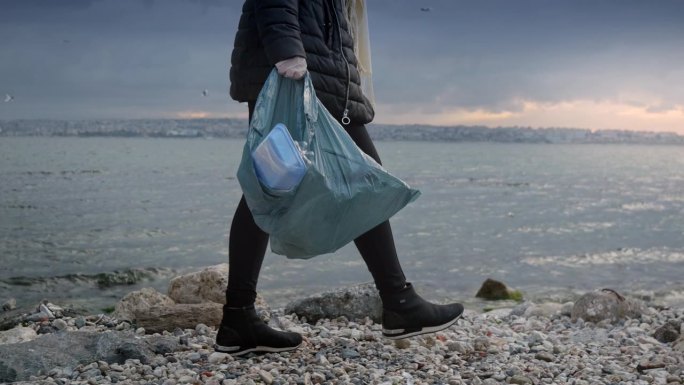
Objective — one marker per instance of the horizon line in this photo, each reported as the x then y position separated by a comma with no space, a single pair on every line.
371,123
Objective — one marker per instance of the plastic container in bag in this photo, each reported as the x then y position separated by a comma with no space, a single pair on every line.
277,160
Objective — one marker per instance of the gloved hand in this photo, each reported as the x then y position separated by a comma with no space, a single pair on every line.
293,68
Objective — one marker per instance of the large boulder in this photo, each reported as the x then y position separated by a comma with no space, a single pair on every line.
181,315
606,304
139,302
68,349
354,303
206,285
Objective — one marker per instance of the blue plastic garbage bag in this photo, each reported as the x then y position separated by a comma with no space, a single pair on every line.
343,193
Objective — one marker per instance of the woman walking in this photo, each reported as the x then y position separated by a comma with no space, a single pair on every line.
317,36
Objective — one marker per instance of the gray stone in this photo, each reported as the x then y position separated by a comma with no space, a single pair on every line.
266,377
403,343
520,309
80,322
207,285
545,356
39,317
679,344
90,373
69,349
46,329
546,310
217,358
536,338
354,303
59,324
606,304
139,301
520,380
481,344
566,309
668,332
57,311
157,319
350,353
499,313
12,318
456,346
16,335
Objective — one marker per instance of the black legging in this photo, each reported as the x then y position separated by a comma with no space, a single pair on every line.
247,244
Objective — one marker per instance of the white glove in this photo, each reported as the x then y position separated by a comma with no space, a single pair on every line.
293,68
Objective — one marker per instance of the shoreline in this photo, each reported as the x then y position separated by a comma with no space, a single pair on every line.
667,295
529,343
671,295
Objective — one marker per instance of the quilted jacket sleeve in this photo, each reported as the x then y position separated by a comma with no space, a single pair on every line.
278,25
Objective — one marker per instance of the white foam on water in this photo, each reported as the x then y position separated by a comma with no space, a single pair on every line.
582,227
623,256
642,206
673,298
671,198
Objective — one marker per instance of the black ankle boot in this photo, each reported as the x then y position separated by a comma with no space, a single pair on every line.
406,314
242,332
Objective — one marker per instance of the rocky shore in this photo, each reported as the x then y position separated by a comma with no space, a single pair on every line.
601,338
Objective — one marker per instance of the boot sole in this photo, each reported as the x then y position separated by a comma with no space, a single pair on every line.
239,351
406,333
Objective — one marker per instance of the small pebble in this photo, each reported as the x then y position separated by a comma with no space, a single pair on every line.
59,324
403,343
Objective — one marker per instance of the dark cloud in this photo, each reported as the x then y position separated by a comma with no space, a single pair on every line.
106,58
491,54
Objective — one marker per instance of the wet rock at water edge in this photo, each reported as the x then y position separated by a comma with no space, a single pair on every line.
10,304
494,290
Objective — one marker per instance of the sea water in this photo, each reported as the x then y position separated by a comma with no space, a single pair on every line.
86,220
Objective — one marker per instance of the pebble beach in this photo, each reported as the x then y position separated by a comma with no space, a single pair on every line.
527,344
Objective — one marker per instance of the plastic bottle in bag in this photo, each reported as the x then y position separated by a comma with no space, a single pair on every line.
278,161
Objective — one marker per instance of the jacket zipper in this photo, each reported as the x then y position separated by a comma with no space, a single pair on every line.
345,115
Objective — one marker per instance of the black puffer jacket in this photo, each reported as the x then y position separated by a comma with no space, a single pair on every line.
274,30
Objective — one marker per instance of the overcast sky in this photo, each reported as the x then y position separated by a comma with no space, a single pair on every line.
591,64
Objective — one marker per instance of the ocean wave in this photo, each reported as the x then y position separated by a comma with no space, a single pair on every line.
101,280
19,206
60,172
622,256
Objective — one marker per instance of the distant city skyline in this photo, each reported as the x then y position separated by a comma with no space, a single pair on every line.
582,64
